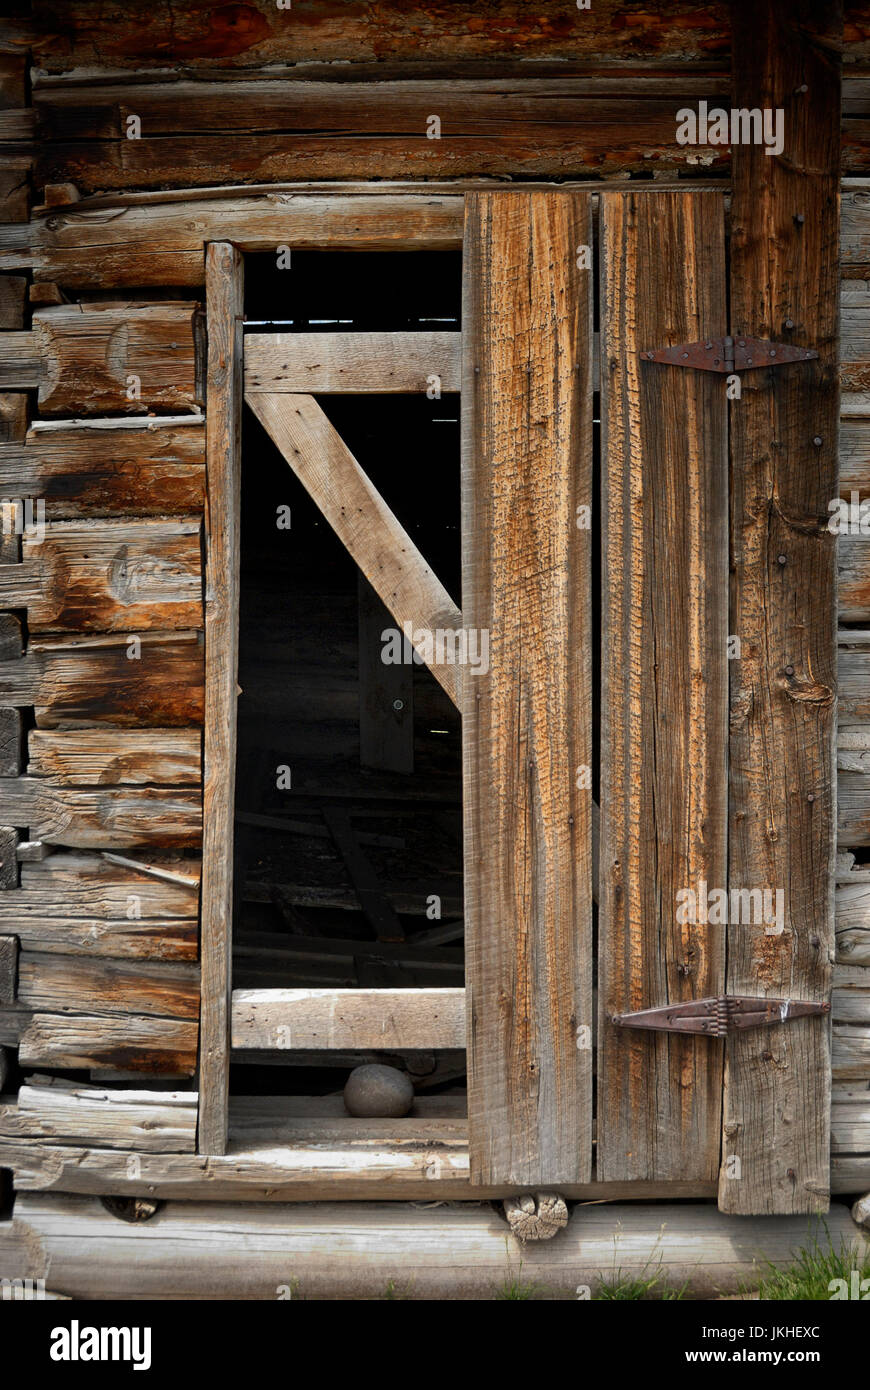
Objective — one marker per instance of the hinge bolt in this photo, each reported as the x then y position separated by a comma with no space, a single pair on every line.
817,440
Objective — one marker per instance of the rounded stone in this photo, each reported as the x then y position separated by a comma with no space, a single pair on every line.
377,1092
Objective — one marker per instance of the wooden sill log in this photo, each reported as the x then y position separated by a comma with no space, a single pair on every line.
355,1250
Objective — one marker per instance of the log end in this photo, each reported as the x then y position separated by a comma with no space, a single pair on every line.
536,1217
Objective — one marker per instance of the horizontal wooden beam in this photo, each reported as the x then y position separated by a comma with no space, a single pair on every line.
106,817
256,130
348,1018
333,363
51,1110
111,757
161,243
109,468
126,1042
127,679
72,984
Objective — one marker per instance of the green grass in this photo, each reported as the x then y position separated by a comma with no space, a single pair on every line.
810,1275
633,1287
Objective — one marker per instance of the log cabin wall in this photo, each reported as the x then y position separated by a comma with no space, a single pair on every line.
127,145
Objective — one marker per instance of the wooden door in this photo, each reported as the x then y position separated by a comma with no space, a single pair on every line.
717,784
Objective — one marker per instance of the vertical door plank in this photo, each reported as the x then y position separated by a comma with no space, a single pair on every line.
664,679
785,224
527,467
225,314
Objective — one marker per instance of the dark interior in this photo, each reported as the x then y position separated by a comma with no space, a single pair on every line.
336,877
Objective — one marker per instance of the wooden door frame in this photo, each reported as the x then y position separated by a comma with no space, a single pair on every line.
392,223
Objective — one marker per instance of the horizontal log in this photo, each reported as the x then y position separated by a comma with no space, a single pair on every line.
853,748
73,985
850,1053
108,575
854,458
853,687
854,335
174,938
110,757
91,888
162,243
853,809
106,818
853,578
332,363
850,1001
22,366
335,1019
156,469
427,1253
73,34
145,1121
127,358
255,131
852,918
128,1042
127,680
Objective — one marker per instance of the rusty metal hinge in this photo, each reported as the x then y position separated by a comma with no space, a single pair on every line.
718,1016
738,354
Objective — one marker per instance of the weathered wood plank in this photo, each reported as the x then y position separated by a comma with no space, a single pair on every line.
11,742
363,522
784,261
144,1121
129,1042
8,969
225,314
93,887
348,1018
127,358
130,680
162,243
106,757
853,576
85,470
118,938
853,694
73,34
106,818
333,363
665,683
457,1253
853,809
262,130
850,1000
108,575
854,458
527,431
850,1053
852,905
68,984
22,364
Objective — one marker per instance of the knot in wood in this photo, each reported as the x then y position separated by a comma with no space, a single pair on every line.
538,1217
